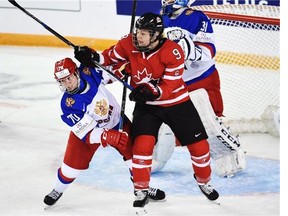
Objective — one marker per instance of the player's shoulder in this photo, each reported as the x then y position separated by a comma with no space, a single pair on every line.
188,12
194,13
86,71
125,45
171,48
126,37
91,75
170,44
125,40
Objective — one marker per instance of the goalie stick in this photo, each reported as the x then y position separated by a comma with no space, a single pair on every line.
69,43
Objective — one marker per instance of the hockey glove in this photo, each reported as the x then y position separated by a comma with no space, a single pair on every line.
191,52
144,92
114,138
86,55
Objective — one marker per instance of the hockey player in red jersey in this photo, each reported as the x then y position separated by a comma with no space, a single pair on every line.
156,68
93,115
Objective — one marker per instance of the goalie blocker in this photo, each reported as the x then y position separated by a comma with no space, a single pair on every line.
225,148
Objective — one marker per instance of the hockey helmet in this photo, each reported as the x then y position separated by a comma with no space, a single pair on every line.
170,6
150,21
64,68
153,23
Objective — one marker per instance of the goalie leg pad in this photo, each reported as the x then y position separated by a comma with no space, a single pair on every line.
224,147
230,164
164,148
220,138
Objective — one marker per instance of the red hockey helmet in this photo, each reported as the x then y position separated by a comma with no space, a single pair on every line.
64,68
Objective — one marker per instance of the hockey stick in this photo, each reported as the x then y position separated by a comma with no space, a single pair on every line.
124,92
69,43
133,15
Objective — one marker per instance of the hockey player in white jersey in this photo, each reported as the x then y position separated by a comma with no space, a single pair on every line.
193,31
93,115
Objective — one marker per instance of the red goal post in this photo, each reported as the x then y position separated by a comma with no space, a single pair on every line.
247,41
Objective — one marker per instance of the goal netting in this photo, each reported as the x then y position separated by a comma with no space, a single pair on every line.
248,60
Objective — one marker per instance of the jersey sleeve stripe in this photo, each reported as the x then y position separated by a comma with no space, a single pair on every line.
172,77
163,102
178,89
118,56
86,124
173,69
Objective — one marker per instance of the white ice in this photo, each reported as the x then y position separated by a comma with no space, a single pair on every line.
33,140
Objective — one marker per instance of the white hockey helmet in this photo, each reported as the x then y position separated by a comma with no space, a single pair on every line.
170,6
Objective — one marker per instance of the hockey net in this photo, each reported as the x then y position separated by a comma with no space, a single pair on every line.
248,60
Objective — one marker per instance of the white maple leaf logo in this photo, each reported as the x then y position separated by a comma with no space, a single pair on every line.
142,76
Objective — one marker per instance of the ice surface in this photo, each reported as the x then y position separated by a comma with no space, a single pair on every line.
33,140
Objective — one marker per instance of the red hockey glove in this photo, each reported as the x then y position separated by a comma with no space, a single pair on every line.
86,55
144,92
114,138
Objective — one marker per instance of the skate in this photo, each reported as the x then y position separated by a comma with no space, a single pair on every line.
141,199
156,194
52,198
209,191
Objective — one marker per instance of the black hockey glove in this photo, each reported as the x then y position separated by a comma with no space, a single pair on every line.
144,92
86,55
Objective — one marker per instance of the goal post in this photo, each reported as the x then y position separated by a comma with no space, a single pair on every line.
247,41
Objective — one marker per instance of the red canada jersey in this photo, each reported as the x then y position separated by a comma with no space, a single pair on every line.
163,66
